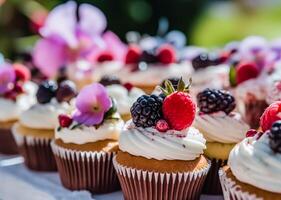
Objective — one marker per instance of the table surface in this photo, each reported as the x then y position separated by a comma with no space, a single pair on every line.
17,182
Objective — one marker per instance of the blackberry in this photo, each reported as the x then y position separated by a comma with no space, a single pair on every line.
148,56
204,60
147,110
213,100
66,91
109,80
46,91
173,80
275,137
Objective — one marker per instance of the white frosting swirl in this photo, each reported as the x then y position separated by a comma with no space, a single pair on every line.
252,161
187,144
44,116
11,110
124,98
108,130
154,74
219,127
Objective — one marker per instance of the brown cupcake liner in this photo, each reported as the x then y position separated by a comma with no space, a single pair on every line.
212,184
37,152
81,170
144,185
7,142
233,192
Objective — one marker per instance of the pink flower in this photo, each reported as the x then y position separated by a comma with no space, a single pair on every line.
7,77
92,103
65,39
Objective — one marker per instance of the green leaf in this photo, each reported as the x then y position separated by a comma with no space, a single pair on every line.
232,76
112,110
169,87
181,85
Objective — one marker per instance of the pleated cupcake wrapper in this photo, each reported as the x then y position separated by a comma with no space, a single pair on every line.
212,184
143,185
81,170
7,142
231,191
36,151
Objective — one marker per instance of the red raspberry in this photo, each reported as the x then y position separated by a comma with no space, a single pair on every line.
166,54
251,133
270,115
22,72
224,56
128,86
179,110
65,121
162,125
133,55
246,71
105,56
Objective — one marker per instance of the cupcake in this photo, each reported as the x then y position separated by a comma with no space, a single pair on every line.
160,153
17,94
222,129
86,142
147,68
253,170
124,94
35,129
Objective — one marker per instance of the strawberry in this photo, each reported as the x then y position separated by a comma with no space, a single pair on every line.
179,110
270,115
246,71
105,56
65,121
133,55
22,72
166,54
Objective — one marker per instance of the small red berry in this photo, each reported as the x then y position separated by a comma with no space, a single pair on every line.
270,115
128,86
12,95
133,55
251,133
65,121
179,110
246,71
166,54
162,125
22,72
105,56
224,56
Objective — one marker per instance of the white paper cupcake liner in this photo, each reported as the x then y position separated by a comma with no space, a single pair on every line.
144,185
231,191
36,151
82,170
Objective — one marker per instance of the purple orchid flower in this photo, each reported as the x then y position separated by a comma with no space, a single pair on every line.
7,77
92,103
65,39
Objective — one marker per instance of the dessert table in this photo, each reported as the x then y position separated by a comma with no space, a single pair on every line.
17,182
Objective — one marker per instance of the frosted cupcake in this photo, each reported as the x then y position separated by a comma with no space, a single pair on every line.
86,142
253,170
147,68
17,94
35,129
222,129
161,154
124,94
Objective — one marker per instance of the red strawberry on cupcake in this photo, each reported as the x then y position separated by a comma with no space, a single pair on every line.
270,115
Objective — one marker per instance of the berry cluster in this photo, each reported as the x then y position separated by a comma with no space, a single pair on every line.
165,54
213,100
275,137
64,92
22,75
176,111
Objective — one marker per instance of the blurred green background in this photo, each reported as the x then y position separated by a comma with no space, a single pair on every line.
205,22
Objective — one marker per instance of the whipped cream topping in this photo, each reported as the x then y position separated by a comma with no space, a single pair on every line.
154,74
220,127
187,144
44,116
252,161
110,129
124,99
273,93
11,110
106,68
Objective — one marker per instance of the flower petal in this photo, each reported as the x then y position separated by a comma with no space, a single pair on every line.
117,47
88,119
49,55
62,22
92,20
7,77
